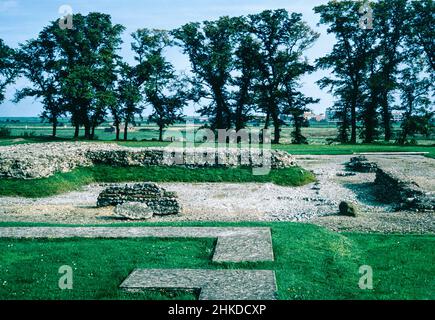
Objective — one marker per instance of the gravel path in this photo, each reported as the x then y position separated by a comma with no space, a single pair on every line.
315,203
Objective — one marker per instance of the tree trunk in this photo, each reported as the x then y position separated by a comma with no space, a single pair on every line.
118,131
277,128
126,131
87,132
76,131
54,129
297,133
353,123
266,124
160,133
93,133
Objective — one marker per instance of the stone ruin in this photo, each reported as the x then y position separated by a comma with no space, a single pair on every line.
404,193
42,160
394,187
140,201
361,164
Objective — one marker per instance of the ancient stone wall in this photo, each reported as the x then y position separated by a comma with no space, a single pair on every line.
29,161
404,193
160,201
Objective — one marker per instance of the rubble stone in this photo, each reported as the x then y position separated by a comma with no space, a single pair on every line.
41,160
159,201
361,164
134,211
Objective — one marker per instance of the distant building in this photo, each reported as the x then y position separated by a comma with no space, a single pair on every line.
309,115
320,117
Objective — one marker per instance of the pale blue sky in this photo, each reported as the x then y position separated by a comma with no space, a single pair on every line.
21,20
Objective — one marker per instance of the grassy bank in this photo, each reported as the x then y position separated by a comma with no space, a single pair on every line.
310,263
65,182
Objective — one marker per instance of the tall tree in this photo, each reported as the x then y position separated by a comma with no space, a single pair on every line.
421,31
88,53
390,29
347,61
417,105
282,38
369,113
163,89
246,62
8,70
38,62
210,48
129,98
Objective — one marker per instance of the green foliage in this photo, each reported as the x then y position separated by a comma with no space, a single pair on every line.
88,56
283,39
37,61
416,108
347,61
163,89
5,132
8,70
210,47
129,98
239,66
421,35
368,63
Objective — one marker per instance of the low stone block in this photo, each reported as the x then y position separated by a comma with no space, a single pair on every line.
348,209
157,199
134,211
213,284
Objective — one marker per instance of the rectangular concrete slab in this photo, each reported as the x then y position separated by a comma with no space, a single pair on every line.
213,284
233,244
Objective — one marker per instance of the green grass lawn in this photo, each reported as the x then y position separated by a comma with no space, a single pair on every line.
64,182
310,263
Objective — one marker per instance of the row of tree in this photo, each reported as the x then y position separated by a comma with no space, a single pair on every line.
240,66
370,67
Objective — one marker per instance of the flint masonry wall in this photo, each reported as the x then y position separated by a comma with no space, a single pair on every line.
158,199
30,161
395,183
403,192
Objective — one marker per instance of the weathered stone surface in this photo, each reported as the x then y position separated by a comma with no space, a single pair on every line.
134,211
213,284
394,187
233,244
29,161
348,209
361,164
160,201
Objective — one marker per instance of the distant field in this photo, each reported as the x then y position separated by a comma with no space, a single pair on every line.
34,131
